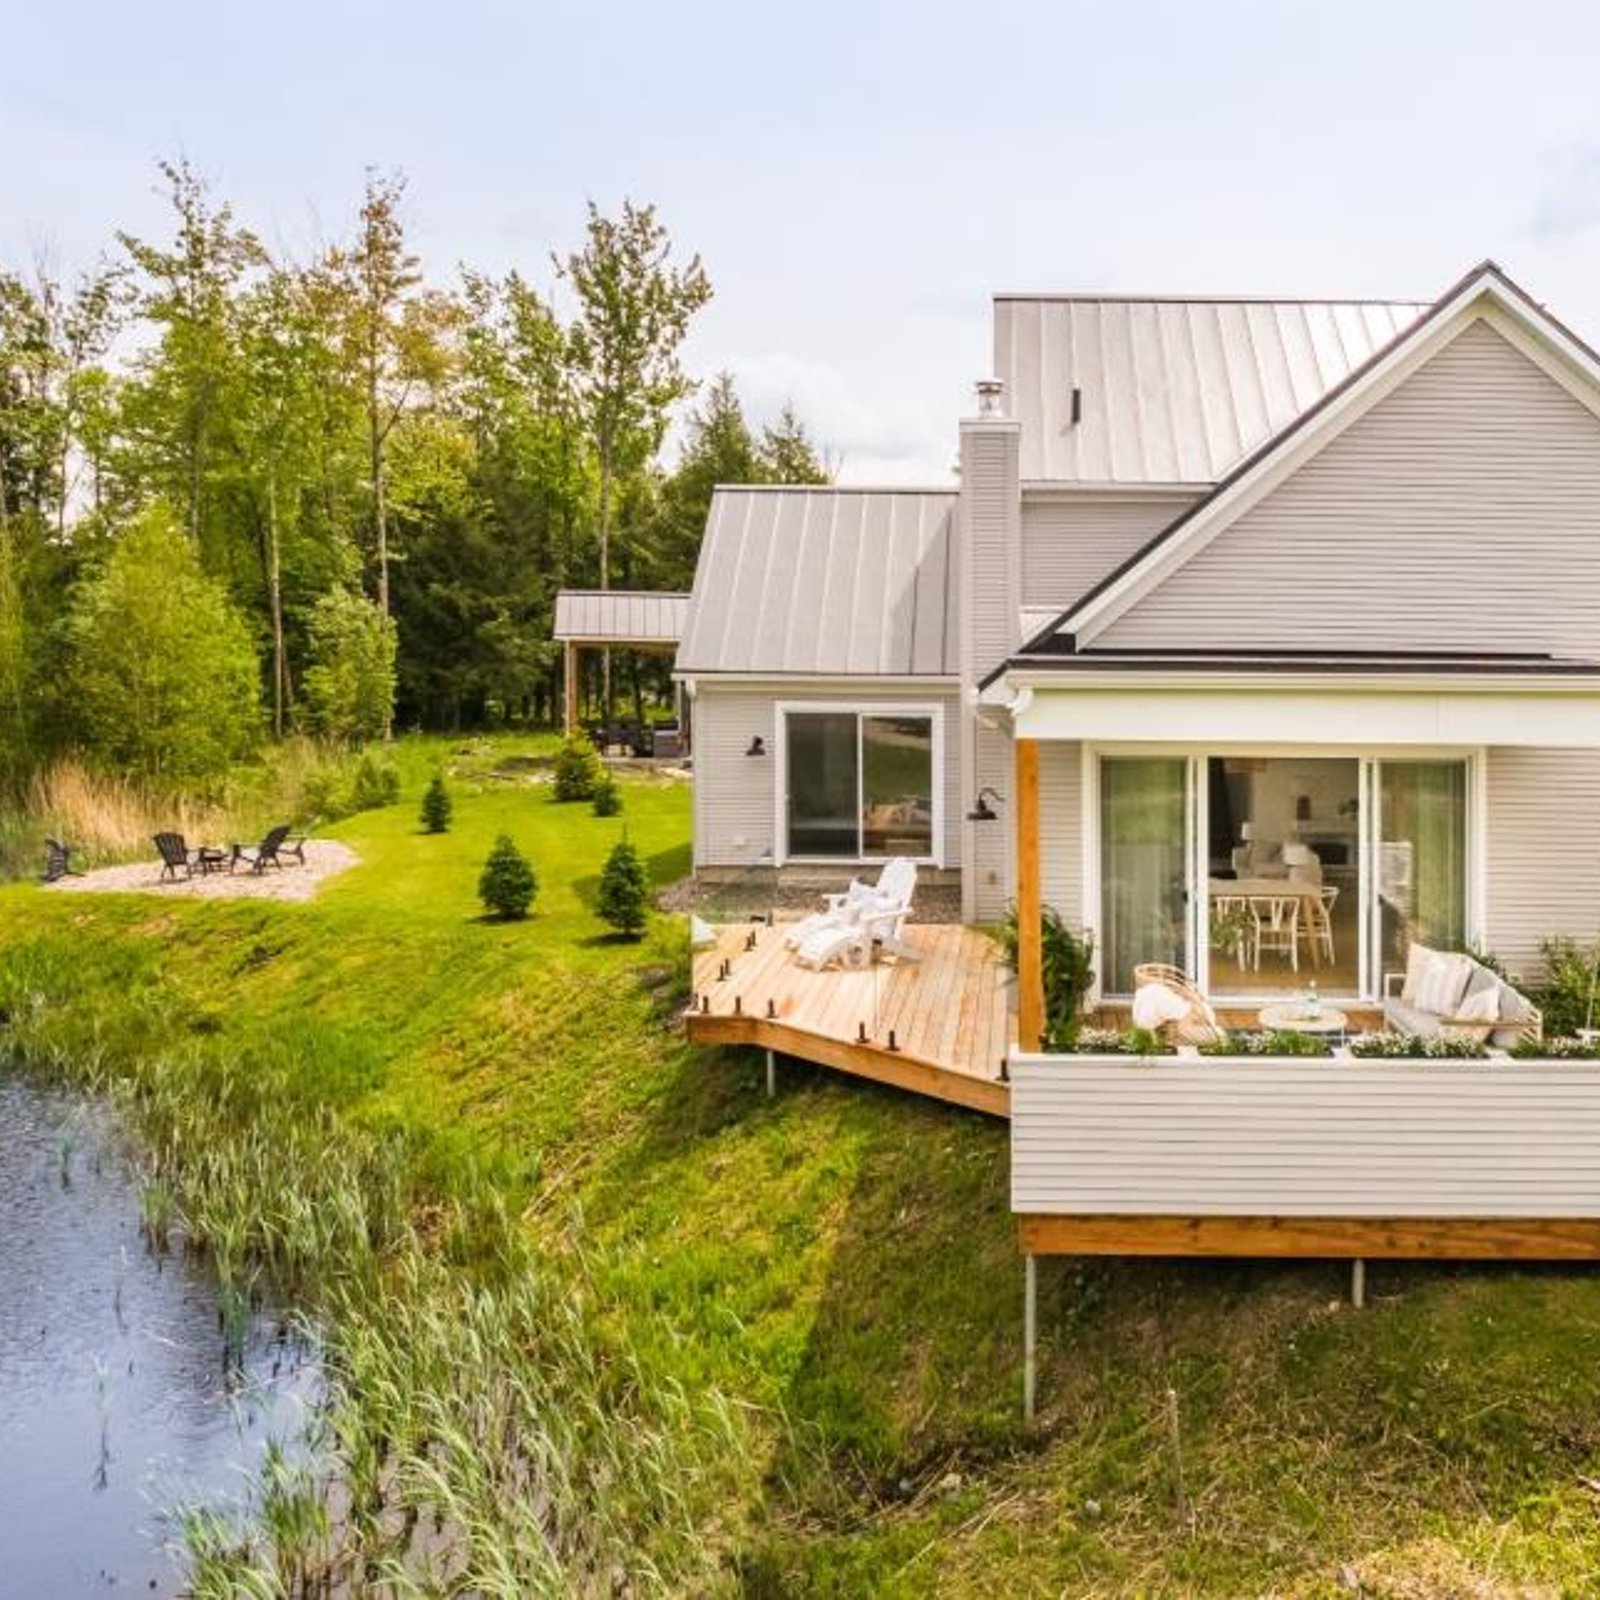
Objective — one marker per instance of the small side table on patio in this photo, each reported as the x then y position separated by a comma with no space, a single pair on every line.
1292,1017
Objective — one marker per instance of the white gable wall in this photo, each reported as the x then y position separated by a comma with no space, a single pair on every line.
1461,513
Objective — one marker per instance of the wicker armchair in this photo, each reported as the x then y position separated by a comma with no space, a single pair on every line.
1199,1025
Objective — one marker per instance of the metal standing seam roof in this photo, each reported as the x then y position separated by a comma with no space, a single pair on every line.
825,581
640,616
1172,390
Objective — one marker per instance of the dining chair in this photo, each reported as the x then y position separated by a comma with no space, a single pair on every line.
1277,927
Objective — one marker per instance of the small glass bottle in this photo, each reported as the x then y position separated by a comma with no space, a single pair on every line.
1313,1002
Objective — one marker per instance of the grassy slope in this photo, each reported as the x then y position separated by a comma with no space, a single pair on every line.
845,1254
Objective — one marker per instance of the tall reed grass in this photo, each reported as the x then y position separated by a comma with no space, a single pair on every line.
487,1429
106,816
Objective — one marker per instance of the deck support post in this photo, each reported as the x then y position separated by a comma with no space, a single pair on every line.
1030,1336
1030,950
772,1075
569,686
1358,1282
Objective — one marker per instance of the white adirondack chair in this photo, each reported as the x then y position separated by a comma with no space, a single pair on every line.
861,925
898,880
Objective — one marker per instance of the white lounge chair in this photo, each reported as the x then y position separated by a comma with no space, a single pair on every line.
897,882
863,925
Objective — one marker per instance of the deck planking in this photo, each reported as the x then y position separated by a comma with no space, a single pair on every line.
948,1011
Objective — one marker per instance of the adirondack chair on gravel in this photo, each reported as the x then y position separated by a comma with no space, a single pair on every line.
269,853
177,858
58,862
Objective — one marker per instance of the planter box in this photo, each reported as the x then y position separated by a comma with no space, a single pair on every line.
1286,1137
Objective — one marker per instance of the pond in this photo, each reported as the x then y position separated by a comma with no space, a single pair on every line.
117,1401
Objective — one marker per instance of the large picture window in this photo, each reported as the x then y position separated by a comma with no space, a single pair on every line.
861,785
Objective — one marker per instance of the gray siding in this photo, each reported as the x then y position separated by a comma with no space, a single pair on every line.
1061,828
734,804
994,843
1230,1137
989,519
1069,545
1543,851
1461,513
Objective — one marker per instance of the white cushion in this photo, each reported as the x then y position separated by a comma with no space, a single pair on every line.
1441,982
1155,1004
1484,1006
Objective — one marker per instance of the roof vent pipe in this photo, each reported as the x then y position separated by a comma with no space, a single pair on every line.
1077,405
990,394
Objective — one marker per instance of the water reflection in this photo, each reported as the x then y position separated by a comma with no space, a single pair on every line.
116,1401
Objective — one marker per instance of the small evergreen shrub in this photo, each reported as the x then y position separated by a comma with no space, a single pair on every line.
376,784
508,884
579,770
624,891
437,806
607,801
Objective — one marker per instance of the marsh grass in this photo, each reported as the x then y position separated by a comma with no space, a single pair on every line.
486,1430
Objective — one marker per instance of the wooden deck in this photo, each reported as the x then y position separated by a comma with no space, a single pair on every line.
940,1026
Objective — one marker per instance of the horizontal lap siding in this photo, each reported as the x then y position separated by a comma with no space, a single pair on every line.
1542,850
1462,512
1061,828
734,792
993,843
1097,1136
1069,545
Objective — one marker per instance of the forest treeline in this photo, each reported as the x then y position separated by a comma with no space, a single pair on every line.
243,495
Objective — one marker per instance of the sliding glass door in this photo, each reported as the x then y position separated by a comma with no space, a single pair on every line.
860,784
1144,866
1421,892
1259,873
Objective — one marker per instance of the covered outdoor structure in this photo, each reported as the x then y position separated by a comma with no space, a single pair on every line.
648,620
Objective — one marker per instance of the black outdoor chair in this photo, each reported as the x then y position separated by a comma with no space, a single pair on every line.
58,862
177,857
269,853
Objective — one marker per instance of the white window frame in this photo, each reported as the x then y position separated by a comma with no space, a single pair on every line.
932,709
1370,761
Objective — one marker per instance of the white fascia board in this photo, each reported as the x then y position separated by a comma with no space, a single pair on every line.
1486,295
1347,714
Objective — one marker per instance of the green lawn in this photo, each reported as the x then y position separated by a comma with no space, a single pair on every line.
841,1260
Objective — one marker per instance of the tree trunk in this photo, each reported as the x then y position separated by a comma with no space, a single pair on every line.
280,672
605,574
380,509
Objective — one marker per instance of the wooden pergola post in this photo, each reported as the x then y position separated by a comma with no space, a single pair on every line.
570,685
1030,949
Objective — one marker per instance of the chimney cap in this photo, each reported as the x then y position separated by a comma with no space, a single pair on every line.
990,395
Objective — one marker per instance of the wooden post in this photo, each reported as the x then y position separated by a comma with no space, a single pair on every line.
1030,950
772,1075
1030,1336
1358,1283
570,685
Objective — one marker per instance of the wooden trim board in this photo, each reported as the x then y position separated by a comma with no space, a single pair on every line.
1387,1238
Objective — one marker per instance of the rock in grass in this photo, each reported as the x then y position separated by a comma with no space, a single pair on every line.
508,883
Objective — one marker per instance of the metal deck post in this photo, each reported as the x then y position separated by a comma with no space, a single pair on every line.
1030,1336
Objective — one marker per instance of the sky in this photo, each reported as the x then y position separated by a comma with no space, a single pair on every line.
858,179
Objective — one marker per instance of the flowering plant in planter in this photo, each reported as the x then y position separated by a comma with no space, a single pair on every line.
1119,1042
1565,1047
1414,1047
1267,1042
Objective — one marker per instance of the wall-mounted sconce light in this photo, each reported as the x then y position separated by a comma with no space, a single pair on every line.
758,746
983,811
